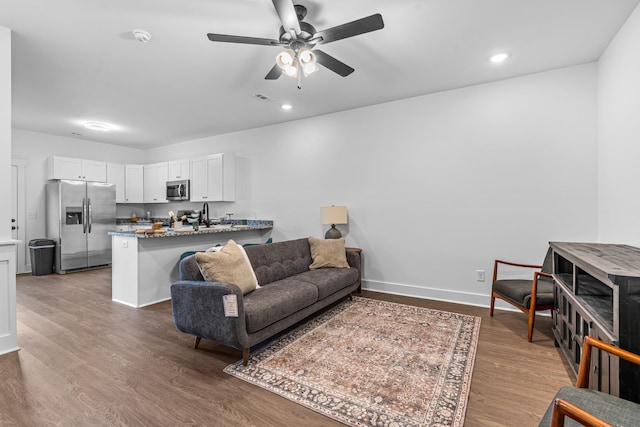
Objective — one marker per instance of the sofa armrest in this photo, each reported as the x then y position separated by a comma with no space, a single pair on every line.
198,309
353,259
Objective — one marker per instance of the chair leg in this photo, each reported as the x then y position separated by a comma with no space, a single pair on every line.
197,342
245,356
532,321
493,303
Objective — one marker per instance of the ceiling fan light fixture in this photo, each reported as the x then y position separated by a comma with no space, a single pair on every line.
307,61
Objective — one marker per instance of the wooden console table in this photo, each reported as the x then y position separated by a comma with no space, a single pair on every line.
597,293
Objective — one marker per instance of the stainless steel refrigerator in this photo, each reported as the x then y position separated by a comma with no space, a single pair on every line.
79,216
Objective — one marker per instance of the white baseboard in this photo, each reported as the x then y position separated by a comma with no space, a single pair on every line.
446,295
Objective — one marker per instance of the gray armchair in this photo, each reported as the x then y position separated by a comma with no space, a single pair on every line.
590,407
528,295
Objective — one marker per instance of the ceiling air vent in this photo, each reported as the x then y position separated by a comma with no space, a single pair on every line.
261,97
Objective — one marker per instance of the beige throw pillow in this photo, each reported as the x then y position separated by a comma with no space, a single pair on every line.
230,265
327,253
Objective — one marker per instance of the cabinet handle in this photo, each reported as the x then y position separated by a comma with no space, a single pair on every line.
595,369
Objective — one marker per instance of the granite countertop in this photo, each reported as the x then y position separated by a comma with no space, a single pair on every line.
188,231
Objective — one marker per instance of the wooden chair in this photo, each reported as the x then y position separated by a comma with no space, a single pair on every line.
527,295
588,407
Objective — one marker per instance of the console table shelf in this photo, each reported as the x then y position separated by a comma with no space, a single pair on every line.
597,293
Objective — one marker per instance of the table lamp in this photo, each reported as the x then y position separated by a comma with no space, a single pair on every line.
333,215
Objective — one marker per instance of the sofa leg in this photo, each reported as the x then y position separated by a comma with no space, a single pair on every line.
350,297
197,342
245,357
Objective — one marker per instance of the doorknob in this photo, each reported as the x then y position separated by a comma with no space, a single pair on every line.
13,227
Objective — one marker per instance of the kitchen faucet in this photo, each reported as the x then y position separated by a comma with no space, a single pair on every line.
205,211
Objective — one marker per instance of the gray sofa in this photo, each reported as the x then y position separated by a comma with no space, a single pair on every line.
288,293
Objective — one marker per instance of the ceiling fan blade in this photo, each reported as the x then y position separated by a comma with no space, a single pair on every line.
241,39
287,14
332,63
274,73
350,29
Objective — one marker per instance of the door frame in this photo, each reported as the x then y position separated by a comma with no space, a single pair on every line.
22,260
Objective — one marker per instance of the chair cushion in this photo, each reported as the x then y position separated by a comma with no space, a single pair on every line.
276,301
611,409
518,291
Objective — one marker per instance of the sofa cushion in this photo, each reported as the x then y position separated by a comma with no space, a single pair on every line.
327,253
276,301
230,265
279,260
329,280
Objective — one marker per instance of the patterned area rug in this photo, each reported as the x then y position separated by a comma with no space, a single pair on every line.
373,363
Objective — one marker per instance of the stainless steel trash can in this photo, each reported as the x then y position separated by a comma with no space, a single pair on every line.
42,253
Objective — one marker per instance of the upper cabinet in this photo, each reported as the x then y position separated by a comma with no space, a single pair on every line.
179,170
70,168
155,182
133,184
213,178
116,175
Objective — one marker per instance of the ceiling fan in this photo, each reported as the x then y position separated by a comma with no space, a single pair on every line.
300,40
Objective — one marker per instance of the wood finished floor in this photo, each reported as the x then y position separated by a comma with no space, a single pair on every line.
86,361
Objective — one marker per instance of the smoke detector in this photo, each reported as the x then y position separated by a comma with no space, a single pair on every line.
141,35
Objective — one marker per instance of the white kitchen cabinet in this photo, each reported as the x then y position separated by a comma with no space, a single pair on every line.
133,183
155,182
213,178
116,175
71,168
179,169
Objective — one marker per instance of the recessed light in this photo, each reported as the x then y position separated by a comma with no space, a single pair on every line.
286,106
141,35
498,58
99,126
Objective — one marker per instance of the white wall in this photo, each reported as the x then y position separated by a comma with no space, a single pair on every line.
619,136
35,148
436,186
5,129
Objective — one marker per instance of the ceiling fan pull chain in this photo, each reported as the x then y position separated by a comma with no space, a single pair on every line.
300,79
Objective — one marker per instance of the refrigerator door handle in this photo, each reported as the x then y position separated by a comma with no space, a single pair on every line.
84,216
90,213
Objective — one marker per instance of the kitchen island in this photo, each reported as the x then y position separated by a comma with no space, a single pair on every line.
145,265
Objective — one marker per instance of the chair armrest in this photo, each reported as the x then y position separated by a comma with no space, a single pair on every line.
585,361
514,264
198,309
562,408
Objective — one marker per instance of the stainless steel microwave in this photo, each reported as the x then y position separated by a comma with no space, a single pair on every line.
178,190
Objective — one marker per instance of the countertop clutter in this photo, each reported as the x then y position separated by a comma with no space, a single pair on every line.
235,225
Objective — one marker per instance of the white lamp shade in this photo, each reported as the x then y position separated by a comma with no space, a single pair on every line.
333,215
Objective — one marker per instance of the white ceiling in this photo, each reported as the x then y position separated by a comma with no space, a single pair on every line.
76,60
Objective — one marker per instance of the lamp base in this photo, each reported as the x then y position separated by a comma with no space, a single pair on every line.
333,233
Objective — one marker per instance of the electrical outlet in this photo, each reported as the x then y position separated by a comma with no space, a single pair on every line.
125,244
480,275
32,215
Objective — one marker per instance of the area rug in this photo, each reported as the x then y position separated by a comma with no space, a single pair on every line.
373,363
